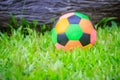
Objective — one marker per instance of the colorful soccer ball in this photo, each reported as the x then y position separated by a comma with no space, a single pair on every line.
73,30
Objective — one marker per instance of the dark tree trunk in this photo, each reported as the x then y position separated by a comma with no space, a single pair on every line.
46,10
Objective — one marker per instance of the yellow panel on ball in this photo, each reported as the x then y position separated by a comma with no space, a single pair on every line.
67,15
61,26
88,46
86,26
72,44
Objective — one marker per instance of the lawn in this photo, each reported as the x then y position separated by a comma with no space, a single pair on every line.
34,57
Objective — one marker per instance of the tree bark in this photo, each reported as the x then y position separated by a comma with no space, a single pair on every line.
44,11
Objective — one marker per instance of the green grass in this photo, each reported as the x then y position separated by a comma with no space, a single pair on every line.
34,57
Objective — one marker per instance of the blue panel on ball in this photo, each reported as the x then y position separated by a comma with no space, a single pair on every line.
62,39
74,20
85,39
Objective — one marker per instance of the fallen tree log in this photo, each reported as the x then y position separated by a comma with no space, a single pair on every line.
44,11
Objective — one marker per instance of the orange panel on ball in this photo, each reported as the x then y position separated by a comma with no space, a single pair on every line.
67,15
86,26
61,26
72,44
59,46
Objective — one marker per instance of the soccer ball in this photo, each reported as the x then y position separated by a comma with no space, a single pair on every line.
73,30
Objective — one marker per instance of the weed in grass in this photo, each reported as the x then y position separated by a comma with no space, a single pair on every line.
105,21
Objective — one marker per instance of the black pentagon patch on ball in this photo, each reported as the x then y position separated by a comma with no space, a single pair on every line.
85,39
74,19
62,39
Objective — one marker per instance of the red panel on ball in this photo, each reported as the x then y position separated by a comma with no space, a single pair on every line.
67,15
93,37
59,46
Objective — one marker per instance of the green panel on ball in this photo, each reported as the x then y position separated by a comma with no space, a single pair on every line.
81,15
74,32
54,36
